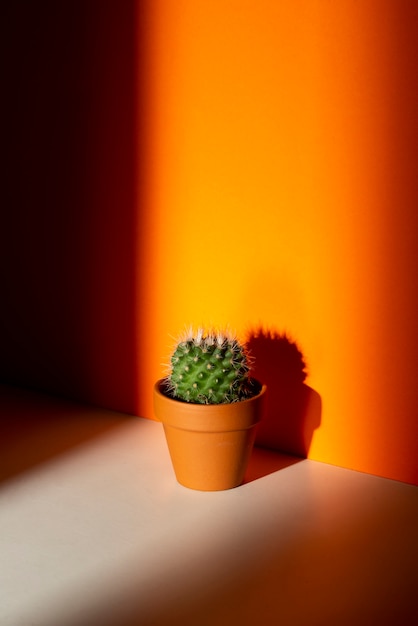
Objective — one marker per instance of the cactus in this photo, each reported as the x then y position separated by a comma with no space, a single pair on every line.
210,368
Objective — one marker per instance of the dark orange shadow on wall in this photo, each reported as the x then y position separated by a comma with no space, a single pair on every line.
292,409
70,205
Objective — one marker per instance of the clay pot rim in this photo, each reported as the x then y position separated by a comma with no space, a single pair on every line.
207,417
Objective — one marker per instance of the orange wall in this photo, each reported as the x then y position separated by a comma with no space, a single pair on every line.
283,192
222,161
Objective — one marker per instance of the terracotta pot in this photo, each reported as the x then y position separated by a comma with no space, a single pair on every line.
209,444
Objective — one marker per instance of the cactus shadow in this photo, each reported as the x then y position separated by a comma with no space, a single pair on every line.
292,410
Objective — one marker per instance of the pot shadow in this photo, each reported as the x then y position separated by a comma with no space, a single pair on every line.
292,409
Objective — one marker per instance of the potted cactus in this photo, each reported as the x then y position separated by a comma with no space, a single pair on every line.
209,406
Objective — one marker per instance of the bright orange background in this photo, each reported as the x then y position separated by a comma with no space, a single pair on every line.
284,192
220,161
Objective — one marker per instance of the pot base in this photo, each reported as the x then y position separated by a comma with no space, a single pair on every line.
210,461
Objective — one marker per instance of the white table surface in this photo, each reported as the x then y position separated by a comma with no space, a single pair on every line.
94,530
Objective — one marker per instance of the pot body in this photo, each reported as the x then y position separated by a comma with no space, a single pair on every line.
209,444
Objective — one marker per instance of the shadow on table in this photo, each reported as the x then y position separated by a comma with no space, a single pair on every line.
264,462
35,427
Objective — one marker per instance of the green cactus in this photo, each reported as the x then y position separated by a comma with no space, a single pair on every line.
210,368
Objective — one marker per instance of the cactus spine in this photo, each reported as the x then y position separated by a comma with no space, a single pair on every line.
209,368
